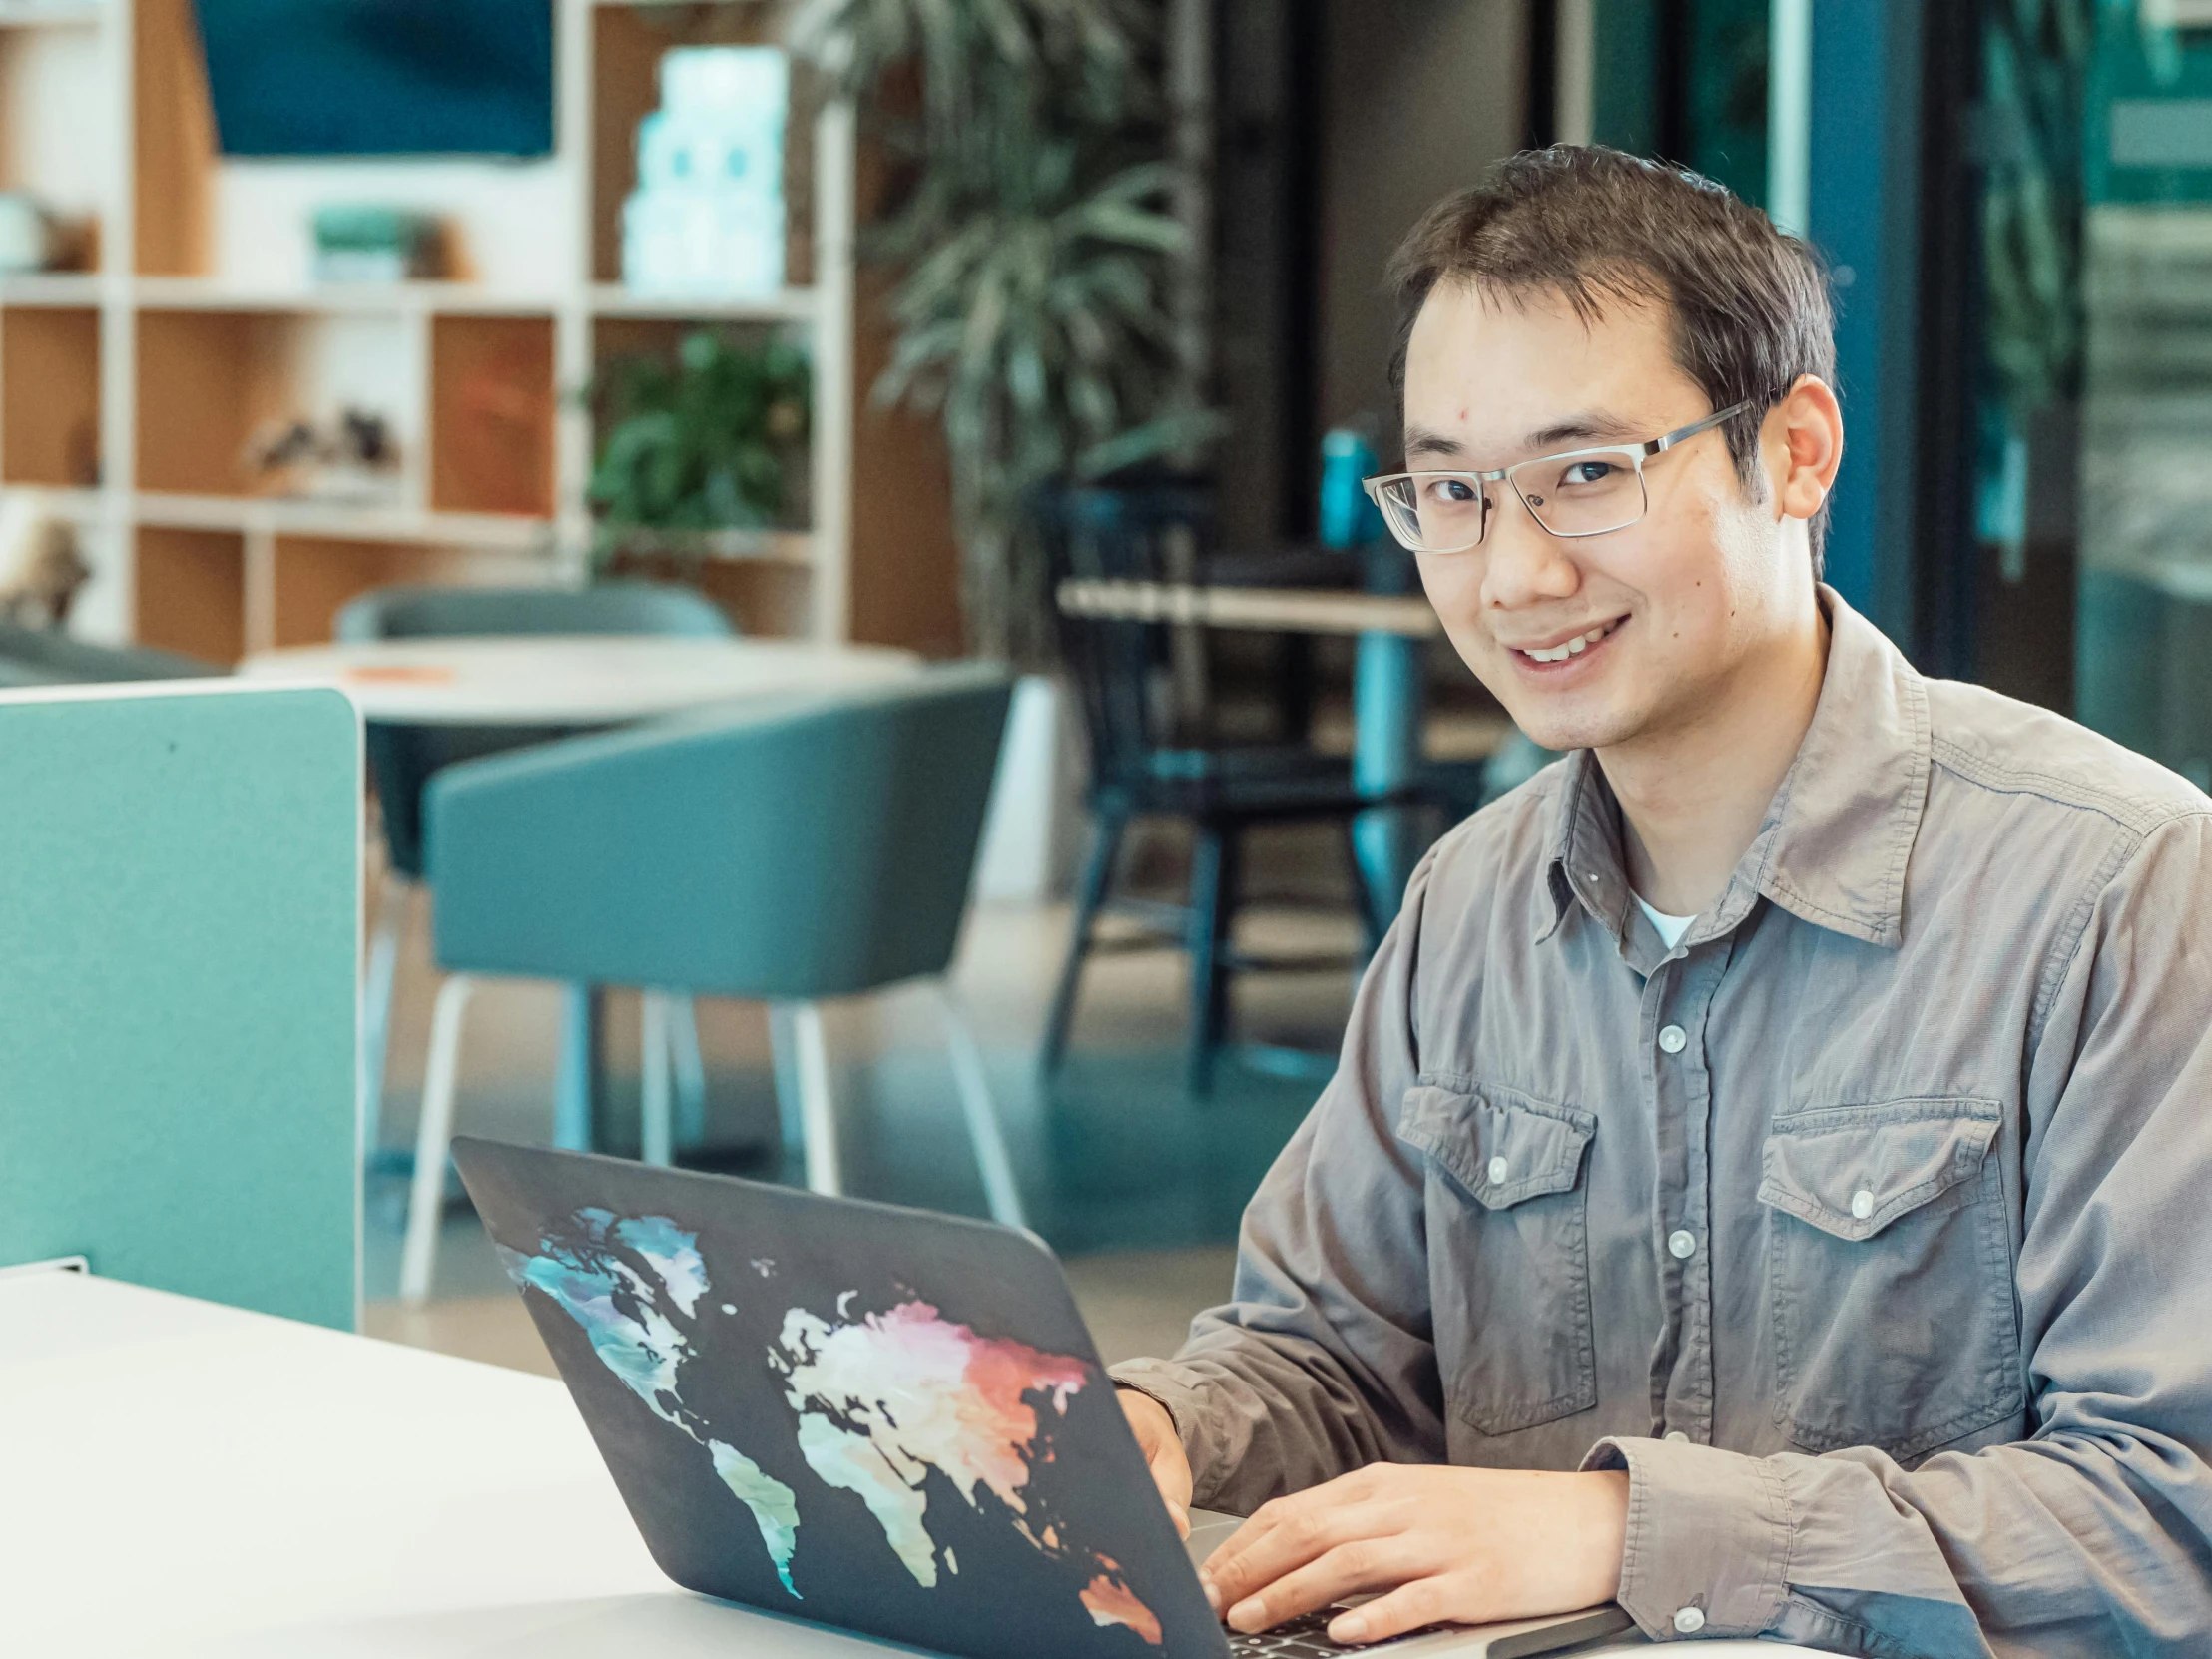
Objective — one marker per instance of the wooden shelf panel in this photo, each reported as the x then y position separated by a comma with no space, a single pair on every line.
394,300
49,397
493,405
55,289
291,516
191,592
52,14
314,575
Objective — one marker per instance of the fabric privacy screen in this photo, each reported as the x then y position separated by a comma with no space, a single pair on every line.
179,921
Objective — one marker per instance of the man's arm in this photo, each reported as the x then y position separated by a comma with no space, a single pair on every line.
2095,1535
1323,1363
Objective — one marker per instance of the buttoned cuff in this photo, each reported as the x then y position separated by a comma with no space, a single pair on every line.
1708,1536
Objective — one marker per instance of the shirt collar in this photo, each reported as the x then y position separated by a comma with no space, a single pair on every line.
1832,846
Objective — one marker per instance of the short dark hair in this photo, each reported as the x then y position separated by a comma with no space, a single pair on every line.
1750,305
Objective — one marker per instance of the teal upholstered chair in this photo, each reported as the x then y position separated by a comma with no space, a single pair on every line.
784,850
401,759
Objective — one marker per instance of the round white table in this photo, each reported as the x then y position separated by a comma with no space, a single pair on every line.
570,680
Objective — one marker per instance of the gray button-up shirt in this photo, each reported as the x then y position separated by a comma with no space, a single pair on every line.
1870,1229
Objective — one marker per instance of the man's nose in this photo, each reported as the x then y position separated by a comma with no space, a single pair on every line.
1527,565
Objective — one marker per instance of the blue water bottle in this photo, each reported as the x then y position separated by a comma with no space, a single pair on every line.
1348,518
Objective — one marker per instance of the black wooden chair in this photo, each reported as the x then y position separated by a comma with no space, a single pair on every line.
1141,766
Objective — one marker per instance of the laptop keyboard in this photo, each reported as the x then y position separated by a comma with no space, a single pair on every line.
1299,1638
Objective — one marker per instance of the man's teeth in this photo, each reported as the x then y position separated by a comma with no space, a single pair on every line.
1572,648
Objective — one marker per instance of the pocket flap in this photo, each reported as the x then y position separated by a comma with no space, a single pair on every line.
1852,1170
1501,1145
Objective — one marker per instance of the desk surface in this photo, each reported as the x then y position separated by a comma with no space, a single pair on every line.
559,679
188,1479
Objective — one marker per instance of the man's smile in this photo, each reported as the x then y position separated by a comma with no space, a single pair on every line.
1548,657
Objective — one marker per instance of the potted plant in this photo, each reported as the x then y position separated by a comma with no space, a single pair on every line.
700,453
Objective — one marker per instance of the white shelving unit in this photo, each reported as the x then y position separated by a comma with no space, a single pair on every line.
126,393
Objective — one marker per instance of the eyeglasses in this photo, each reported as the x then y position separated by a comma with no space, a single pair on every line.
1583,492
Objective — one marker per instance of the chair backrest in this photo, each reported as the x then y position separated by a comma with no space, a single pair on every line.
180,930
402,758
815,845
1120,667
607,607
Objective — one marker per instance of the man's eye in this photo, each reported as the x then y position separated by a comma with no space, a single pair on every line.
1452,492
1588,472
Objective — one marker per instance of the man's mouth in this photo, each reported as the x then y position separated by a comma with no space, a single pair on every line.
1562,650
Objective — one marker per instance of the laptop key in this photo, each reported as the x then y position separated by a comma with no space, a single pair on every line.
1306,1637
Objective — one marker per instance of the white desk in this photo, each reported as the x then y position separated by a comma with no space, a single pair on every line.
563,680
185,1479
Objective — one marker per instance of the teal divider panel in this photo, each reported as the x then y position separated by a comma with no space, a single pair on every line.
180,913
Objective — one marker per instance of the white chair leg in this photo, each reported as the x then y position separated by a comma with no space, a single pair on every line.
426,1204
809,1069
691,1072
782,1048
394,895
655,1040
981,1110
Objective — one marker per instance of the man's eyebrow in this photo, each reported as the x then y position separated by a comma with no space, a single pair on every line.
1591,426
1419,440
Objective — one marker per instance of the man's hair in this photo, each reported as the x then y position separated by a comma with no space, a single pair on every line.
1748,306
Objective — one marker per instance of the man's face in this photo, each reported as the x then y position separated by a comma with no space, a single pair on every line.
1672,606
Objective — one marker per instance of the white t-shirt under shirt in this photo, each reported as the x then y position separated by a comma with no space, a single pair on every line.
1671,929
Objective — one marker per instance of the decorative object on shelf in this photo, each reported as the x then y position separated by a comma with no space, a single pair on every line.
41,567
699,453
707,217
1038,256
35,238
353,460
358,243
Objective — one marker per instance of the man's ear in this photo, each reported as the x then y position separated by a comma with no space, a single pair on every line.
1802,443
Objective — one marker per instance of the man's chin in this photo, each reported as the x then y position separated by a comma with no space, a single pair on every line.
1562,729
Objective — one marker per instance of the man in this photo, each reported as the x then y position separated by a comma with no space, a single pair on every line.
1769,1175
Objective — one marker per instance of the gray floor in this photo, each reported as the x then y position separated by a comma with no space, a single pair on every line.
1137,1186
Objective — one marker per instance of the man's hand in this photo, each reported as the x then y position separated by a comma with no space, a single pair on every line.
1432,1544
1163,1452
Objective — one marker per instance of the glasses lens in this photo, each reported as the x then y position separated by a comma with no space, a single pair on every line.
1583,495
1434,512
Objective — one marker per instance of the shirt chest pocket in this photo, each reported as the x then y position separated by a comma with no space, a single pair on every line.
1509,1251
1892,1281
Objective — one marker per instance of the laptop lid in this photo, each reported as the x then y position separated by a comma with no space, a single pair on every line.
864,1416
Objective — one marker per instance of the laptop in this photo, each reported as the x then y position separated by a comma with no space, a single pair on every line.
879,1420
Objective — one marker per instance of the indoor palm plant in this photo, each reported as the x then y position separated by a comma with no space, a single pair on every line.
1037,254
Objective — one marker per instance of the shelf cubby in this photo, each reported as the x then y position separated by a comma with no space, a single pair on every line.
50,397
493,405
209,381
190,592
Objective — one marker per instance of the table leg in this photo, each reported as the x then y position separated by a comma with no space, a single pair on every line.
1385,755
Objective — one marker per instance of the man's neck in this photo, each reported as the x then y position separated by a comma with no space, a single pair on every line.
1694,794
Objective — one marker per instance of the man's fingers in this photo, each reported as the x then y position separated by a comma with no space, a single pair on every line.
1364,1565
1288,1542
1410,1606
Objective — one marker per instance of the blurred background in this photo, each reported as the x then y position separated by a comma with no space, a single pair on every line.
795,346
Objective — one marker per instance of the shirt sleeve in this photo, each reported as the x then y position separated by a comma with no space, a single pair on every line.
2094,1535
1323,1362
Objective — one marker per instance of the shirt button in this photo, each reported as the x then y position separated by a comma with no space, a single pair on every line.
1677,1436
1862,1203
1673,1039
1687,1621
1499,1170
1682,1244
